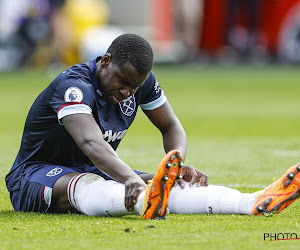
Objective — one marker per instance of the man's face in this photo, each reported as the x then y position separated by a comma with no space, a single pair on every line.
117,84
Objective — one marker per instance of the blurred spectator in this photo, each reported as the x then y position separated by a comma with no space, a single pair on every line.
242,32
188,19
23,24
46,32
81,16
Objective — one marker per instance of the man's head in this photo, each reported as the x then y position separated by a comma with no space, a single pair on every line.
133,49
125,67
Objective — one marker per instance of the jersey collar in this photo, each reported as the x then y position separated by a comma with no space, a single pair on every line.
94,69
95,81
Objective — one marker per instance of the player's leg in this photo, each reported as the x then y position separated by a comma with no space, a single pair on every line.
36,187
89,194
59,199
219,199
211,199
92,195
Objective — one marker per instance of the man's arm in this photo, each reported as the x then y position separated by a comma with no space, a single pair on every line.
88,136
174,137
166,121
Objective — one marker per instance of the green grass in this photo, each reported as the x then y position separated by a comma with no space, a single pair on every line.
243,129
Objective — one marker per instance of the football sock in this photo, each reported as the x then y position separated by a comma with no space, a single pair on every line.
93,196
211,199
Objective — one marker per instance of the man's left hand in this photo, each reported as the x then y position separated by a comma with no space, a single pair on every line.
193,175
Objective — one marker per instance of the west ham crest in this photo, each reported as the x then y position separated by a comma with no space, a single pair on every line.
128,106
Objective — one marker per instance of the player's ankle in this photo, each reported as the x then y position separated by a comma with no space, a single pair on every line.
138,207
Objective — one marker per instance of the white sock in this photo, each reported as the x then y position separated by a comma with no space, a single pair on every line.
93,196
210,199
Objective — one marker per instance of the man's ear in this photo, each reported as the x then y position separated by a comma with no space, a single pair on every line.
106,60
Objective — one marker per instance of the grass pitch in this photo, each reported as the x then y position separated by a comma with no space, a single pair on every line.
243,129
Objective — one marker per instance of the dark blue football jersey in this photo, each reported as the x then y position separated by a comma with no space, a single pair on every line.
74,91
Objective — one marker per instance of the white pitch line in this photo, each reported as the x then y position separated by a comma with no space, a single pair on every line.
287,153
237,185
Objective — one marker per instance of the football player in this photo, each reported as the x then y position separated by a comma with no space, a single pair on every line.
67,160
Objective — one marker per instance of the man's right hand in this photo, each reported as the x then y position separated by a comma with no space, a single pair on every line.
133,188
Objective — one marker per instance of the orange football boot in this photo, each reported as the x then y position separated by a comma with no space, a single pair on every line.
280,194
158,191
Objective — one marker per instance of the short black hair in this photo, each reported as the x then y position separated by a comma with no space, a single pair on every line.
134,49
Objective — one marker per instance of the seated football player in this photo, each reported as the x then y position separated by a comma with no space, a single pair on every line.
67,160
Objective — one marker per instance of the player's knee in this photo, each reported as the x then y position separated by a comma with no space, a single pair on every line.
82,189
68,189
60,202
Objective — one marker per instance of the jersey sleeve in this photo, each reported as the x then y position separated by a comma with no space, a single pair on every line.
152,96
72,95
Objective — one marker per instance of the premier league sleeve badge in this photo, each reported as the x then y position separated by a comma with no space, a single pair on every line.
73,94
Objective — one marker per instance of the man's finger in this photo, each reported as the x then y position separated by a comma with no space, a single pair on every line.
130,203
181,183
194,178
126,203
204,180
135,197
126,198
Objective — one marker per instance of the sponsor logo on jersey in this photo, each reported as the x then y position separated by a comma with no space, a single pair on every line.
109,136
128,106
73,94
54,171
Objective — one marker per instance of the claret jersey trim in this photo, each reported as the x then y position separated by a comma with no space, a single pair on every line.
47,195
156,103
128,106
72,108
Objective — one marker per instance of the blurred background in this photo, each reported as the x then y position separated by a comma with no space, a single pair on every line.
230,69
54,33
